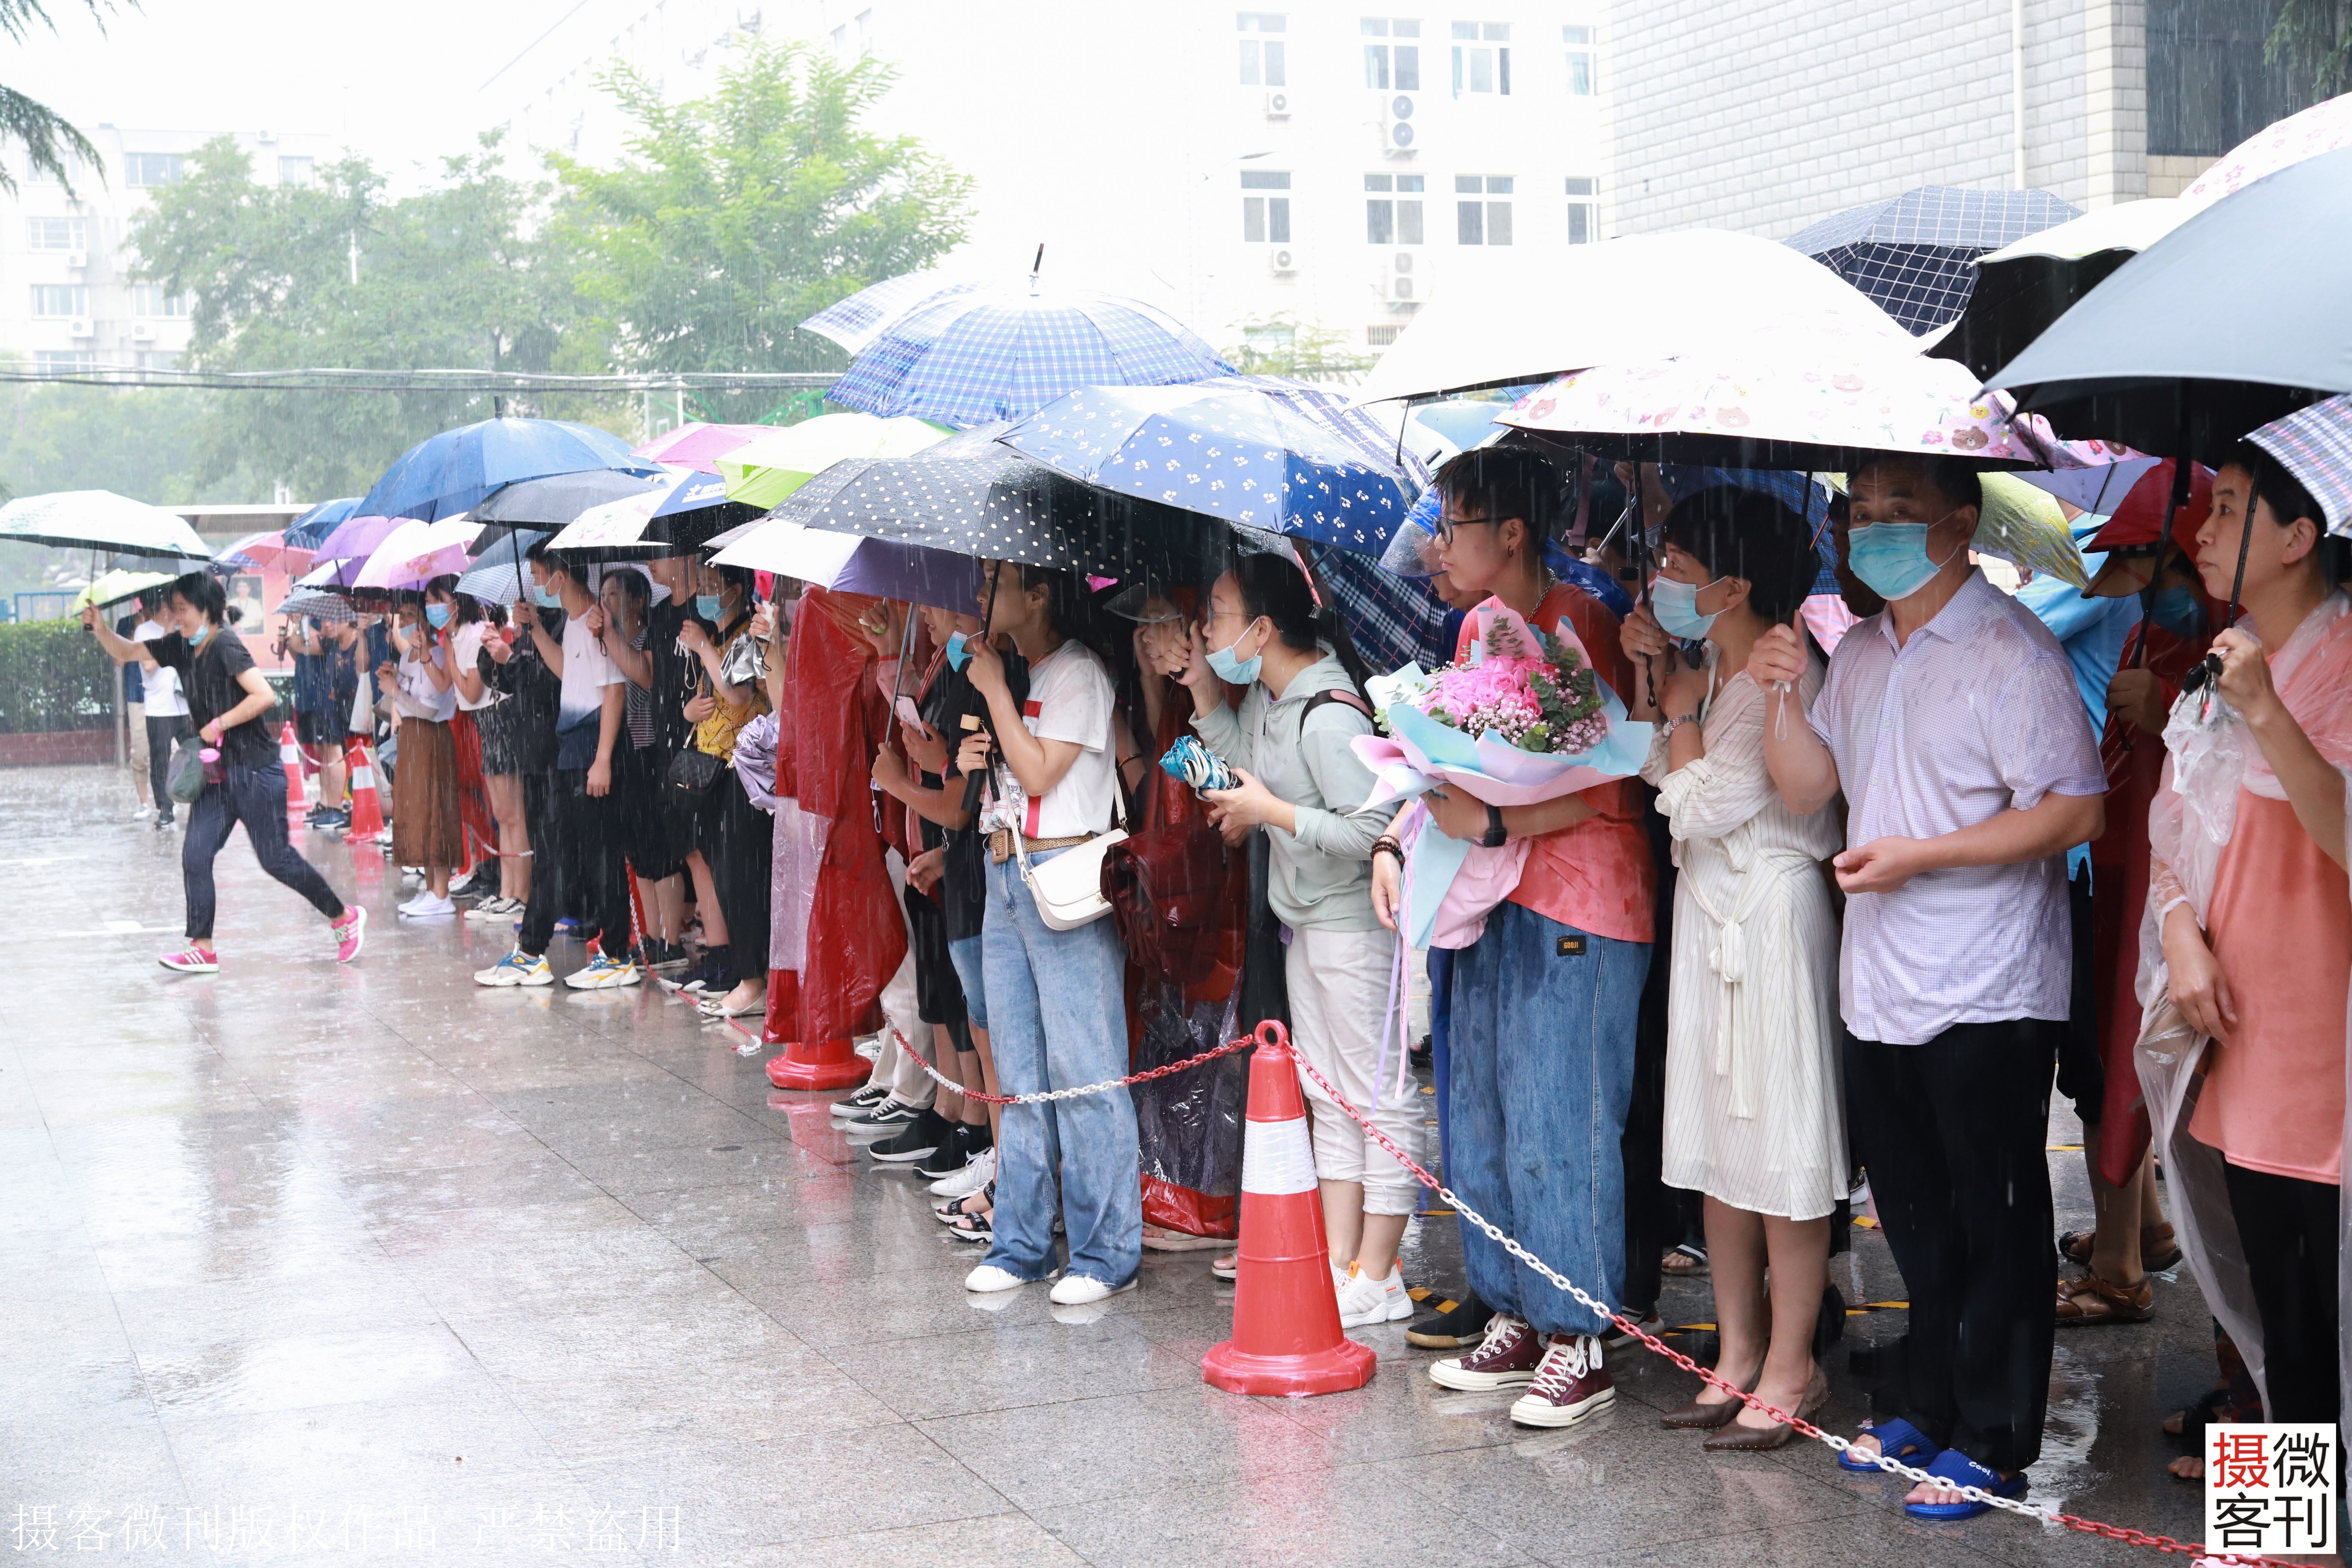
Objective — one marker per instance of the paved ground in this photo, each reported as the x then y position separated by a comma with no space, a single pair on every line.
307,1264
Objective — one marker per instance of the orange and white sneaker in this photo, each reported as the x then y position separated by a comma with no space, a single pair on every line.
1364,1300
1571,1382
191,959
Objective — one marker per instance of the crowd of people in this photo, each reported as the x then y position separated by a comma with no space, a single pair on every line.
1864,906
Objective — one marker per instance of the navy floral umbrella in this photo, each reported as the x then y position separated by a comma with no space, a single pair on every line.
1250,449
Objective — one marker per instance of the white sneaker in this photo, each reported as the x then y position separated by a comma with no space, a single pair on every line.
1079,1289
144,814
1364,1300
426,904
970,1179
601,974
989,1279
516,968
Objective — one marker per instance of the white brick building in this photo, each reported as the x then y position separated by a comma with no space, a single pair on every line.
1765,115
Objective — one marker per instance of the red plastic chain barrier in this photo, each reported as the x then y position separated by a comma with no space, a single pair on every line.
1228,1048
1805,1428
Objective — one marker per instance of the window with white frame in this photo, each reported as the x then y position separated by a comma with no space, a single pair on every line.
1392,54
1380,334
1266,218
150,359
150,299
1392,209
295,171
140,169
54,361
1477,221
55,299
1482,57
56,233
1583,209
1580,60
1262,61
854,38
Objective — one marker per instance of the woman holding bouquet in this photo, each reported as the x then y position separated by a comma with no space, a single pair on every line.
1544,1001
1754,1116
1301,780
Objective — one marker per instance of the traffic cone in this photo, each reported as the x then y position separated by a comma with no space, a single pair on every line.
1286,1337
830,1063
289,757
367,816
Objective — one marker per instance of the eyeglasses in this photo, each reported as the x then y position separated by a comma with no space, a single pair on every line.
1447,525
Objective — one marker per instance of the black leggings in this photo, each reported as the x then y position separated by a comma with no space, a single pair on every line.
256,797
160,734
739,867
2288,1228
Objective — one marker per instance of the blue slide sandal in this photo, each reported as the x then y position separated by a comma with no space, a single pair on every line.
1897,1439
1957,1468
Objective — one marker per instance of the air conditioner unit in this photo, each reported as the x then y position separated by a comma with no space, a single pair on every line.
1396,126
1406,279
76,261
142,332
81,327
1281,260
1277,105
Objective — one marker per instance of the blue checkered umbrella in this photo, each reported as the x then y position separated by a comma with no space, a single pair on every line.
1916,254
1242,448
968,356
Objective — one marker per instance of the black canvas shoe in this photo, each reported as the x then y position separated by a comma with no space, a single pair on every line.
1453,1325
963,1145
919,1138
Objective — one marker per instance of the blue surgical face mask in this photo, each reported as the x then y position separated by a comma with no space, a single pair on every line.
706,607
2176,609
1235,671
437,615
200,634
1891,557
545,599
957,653
1675,604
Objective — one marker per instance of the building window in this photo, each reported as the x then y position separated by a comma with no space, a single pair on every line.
1392,64
1583,209
295,170
150,359
1262,63
1381,335
1482,57
1392,209
850,39
1580,60
1265,220
1481,222
151,168
2210,84
60,299
55,233
150,299
51,362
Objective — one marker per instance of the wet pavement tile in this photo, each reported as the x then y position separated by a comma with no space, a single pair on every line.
308,1263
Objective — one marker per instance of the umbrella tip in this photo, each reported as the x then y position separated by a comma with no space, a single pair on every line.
1036,266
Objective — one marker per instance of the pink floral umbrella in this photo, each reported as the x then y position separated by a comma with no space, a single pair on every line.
1781,401
416,552
700,446
2321,128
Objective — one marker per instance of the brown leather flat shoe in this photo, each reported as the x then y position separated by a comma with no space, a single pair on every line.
1764,1439
1697,1417
2091,1300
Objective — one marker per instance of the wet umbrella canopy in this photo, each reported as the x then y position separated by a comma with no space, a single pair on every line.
1916,254
451,472
2237,318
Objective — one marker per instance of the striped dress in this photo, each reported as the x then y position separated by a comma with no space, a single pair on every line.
1755,1117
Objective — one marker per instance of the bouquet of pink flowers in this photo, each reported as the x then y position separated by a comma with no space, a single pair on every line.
1540,698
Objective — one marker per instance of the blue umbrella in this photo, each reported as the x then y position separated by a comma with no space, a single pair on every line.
444,475
1242,449
306,530
967,357
1916,254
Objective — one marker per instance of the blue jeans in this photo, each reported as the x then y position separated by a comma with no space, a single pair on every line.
965,954
1541,1072
1057,1019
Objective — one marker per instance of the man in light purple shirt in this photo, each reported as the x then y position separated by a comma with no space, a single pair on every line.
1951,723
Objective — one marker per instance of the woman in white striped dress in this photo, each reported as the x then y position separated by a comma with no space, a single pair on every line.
1754,1116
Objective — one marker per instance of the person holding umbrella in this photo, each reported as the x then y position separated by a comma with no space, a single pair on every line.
1952,724
229,703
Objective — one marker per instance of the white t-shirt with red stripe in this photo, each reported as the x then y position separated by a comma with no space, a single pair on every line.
1069,699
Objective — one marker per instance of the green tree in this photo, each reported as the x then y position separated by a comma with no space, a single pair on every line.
2314,38
1283,345
335,274
139,443
735,218
52,147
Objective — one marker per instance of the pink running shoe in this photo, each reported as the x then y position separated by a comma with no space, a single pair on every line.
350,932
190,960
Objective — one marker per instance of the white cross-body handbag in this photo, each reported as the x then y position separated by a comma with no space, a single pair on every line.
1068,888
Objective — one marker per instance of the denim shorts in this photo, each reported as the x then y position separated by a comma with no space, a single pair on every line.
965,956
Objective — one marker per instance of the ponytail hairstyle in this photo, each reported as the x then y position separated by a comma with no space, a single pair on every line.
1067,610
1276,587
464,609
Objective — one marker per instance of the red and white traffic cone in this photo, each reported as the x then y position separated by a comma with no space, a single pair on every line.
289,757
1286,1337
829,1064
367,816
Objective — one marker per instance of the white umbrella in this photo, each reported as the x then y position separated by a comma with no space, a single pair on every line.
857,564
611,525
2131,225
1643,297
101,520
417,551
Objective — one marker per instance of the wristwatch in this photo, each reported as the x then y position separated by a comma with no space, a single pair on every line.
1494,838
1676,723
